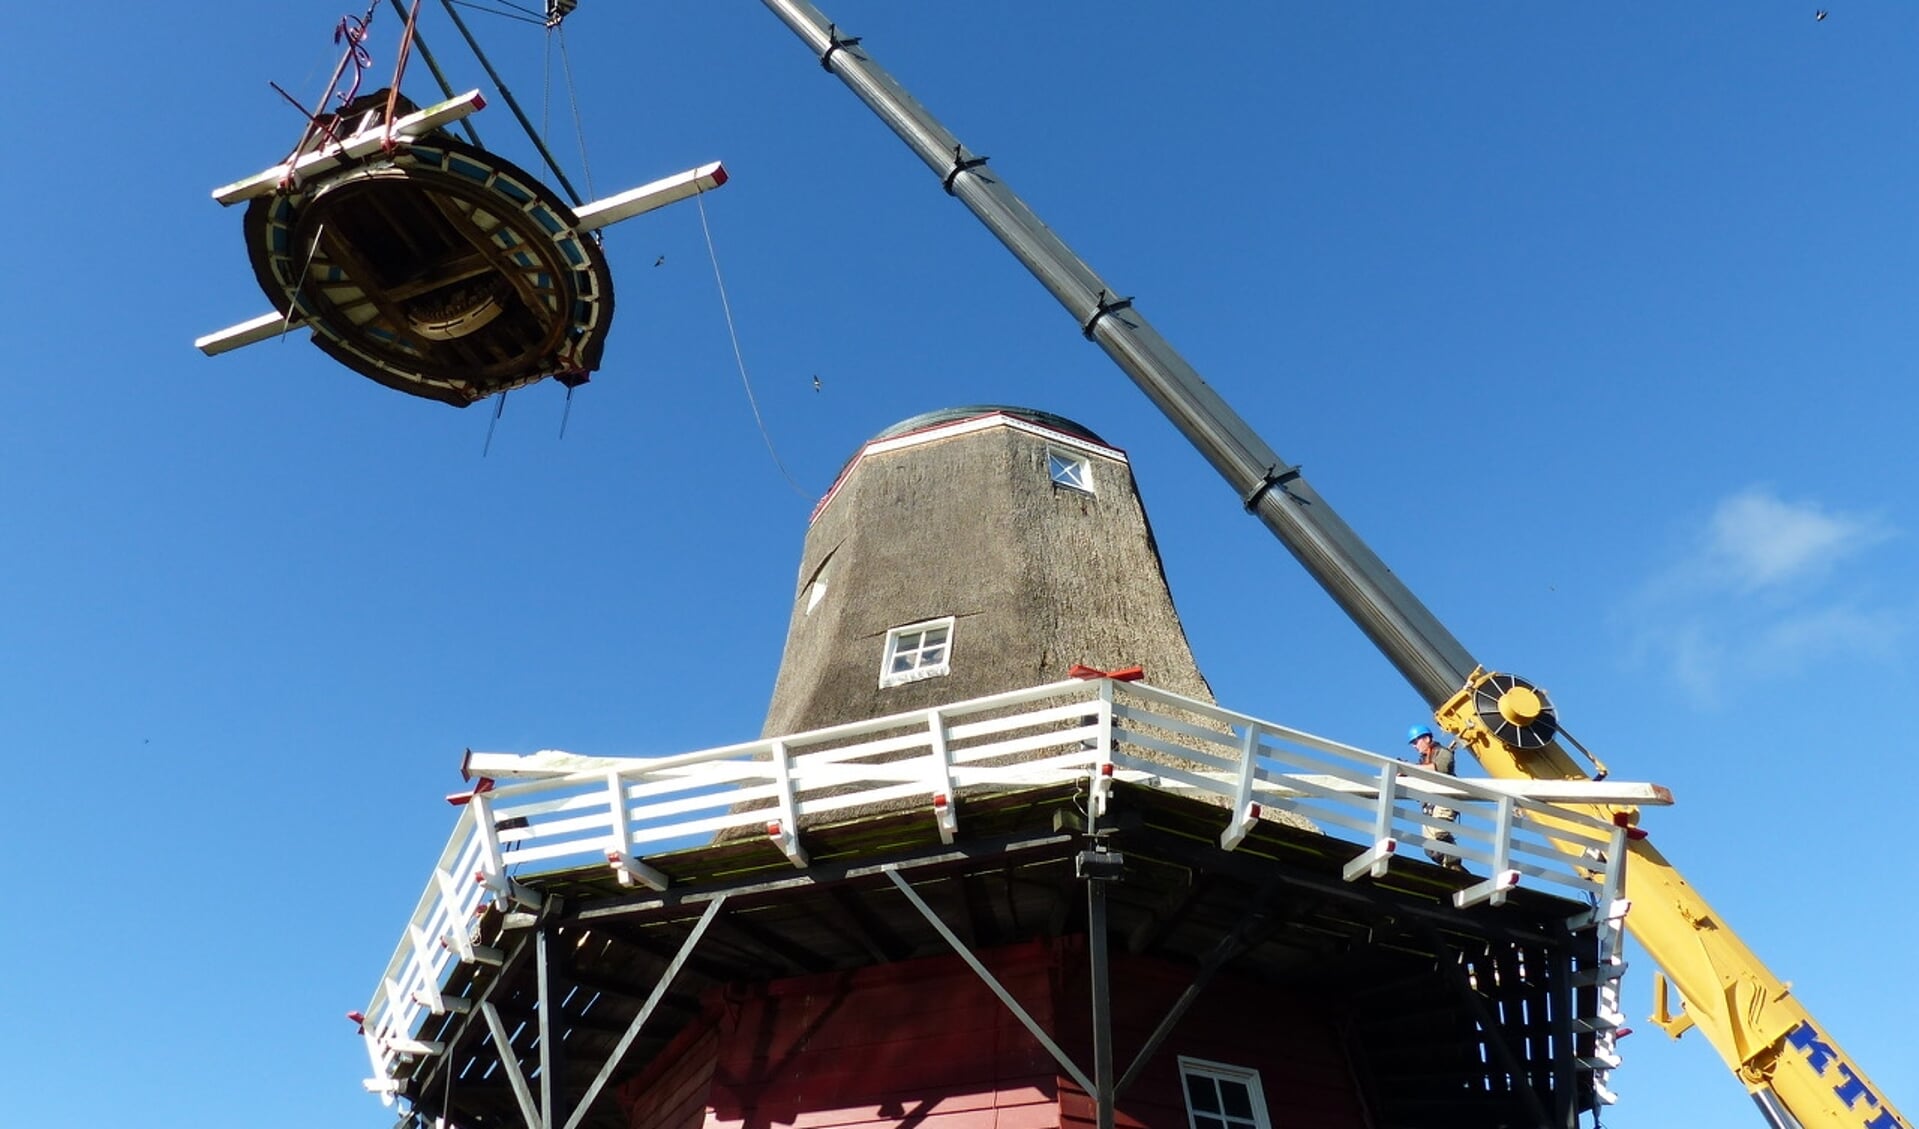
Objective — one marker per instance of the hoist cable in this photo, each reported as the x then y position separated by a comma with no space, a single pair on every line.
738,358
512,103
573,96
516,13
399,70
439,76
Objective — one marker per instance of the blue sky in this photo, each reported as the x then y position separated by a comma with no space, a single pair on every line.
1595,321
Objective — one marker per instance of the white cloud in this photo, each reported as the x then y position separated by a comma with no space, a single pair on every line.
1759,541
1764,590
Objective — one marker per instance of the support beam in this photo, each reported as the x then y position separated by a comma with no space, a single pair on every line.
959,856
1493,890
510,1062
1100,968
250,332
645,1012
783,951
1560,1006
359,145
543,972
1371,862
587,1025
647,197
446,1064
992,982
1253,871
866,929
1251,930
1489,1026
1169,913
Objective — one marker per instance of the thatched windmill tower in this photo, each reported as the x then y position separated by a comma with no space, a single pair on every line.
971,551
956,887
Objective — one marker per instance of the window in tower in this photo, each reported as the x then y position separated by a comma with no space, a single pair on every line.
1070,471
916,651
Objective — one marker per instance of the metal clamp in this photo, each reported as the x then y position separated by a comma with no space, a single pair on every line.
835,43
1274,477
1106,305
960,164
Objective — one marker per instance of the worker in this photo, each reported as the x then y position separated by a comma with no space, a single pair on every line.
1439,758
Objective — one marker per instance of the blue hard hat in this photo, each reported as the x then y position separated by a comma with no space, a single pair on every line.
1418,731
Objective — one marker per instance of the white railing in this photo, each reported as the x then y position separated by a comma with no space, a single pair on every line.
552,812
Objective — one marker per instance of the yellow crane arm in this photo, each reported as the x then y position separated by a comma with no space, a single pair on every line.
1795,1072
1747,1013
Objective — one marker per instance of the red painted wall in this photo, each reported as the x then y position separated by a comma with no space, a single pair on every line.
1291,1040
925,1044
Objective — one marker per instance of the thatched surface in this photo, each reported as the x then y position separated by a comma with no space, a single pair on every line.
1038,577
966,521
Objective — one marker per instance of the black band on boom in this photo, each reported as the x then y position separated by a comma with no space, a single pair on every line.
834,43
960,165
1106,306
1274,477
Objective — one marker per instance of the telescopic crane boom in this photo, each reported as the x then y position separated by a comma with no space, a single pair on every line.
1796,1074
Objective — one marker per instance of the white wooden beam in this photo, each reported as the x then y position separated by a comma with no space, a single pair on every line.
545,763
1538,791
1492,890
1237,830
647,197
630,870
1372,862
250,332
359,145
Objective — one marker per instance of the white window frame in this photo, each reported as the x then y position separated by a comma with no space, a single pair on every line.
1223,1072
919,672
1078,474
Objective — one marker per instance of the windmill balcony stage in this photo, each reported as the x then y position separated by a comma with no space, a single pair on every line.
589,914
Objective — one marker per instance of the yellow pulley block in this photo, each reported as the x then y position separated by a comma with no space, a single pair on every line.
1513,710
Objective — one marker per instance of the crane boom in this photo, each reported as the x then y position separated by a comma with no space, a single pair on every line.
1795,1073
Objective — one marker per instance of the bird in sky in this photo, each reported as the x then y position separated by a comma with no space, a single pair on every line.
816,382
1819,15
658,261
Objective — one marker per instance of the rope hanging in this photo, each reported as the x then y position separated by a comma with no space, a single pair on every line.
738,358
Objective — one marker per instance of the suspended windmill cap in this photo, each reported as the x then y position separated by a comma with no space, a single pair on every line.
431,266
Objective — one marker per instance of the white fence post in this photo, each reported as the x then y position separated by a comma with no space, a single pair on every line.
785,831
1373,861
1245,812
945,801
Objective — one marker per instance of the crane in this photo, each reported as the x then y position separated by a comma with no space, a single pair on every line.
1796,1074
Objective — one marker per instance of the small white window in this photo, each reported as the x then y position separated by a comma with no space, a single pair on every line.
1219,1096
1070,471
916,651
